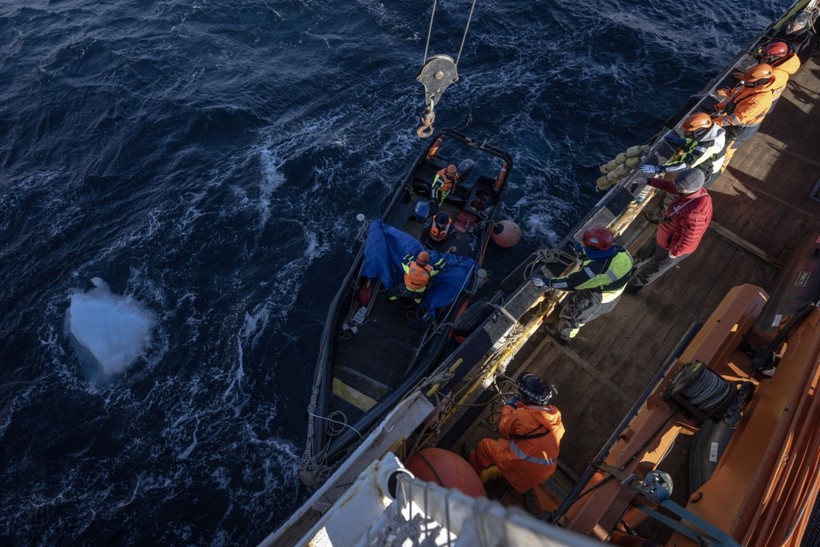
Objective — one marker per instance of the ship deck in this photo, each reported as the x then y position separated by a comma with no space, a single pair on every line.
765,205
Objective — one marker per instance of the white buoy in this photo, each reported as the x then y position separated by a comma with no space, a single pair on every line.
506,234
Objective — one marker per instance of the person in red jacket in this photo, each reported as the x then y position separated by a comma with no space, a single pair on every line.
531,431
680,229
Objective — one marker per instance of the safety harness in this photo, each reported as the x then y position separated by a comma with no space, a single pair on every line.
526,437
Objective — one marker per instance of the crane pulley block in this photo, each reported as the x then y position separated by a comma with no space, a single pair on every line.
436,75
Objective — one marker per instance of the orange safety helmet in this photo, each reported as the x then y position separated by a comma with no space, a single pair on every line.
758,74
696,122
451,171
423,258
598,237
774,51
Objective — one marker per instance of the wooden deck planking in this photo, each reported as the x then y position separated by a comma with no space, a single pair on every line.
762,199
764,194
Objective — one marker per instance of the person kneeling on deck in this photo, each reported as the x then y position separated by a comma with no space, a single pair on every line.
417,274
531,428
437,228
680,229
703,145
596,287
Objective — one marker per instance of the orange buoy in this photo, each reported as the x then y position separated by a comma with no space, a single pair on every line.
446,469
506,234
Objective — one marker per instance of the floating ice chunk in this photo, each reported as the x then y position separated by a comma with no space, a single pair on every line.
108,331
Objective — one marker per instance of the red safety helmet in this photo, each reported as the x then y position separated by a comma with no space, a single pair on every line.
598,237
696,122
423,258
451,171
774,51
758,74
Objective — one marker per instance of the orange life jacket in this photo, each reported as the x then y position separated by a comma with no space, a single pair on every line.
438,234
416,276
446,182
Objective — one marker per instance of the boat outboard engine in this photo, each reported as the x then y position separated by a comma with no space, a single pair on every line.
703,394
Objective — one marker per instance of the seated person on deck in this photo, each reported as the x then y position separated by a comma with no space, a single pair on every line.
437,229
443,184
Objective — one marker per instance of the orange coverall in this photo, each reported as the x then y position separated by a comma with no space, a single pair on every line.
784,68
744,106
528,453
788,64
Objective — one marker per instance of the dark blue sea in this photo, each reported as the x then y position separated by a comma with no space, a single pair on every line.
206,159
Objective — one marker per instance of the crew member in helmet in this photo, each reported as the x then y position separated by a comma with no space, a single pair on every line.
703,146
743,107
680,229
596,287
779,56
443,184
417,274
437,228
785,64
530,430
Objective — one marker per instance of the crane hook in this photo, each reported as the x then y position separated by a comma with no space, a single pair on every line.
427,120
436,75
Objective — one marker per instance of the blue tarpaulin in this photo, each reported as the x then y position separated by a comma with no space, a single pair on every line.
383,253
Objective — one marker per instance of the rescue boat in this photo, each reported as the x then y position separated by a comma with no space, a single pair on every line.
691,410
373,350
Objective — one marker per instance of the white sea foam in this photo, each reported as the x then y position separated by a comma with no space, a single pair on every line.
272,179
108,331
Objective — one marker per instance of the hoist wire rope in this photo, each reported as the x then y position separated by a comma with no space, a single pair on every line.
466,28
463,37
429,32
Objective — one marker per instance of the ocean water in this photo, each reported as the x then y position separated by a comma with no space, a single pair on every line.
207,159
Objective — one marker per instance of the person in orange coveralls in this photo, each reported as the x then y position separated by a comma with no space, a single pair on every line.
531,428
742,108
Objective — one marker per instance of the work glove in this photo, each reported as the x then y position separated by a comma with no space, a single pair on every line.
541,282
675,140
512,401
651,169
